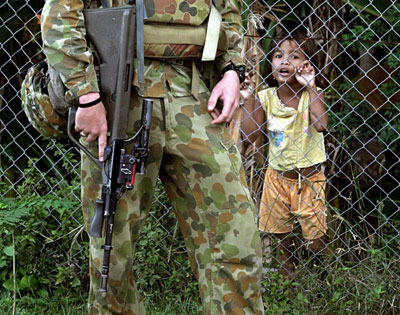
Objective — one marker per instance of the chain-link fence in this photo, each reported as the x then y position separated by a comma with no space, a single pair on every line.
358,62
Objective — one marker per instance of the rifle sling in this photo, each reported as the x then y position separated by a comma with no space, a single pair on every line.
140,17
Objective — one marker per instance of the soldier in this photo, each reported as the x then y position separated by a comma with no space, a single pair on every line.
191,151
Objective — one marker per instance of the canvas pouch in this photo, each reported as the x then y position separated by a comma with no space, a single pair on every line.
43,101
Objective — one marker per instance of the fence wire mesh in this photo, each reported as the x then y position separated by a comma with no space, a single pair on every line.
358,62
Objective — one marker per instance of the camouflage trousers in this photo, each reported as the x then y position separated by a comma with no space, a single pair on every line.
200,168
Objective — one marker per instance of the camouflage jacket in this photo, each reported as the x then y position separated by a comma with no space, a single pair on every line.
66,49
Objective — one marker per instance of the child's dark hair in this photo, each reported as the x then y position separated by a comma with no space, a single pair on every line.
300,36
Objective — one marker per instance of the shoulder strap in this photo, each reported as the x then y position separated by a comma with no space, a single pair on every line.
140,17
212,36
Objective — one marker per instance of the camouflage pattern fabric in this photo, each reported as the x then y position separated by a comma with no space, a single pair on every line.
198,164
37,104
172,51
201,170
65,46
179,11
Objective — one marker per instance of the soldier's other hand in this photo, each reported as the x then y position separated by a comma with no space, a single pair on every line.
228,90
91,122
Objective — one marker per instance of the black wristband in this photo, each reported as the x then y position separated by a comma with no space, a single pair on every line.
90,104
240,70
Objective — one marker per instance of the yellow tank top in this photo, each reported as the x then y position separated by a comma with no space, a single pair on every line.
293,142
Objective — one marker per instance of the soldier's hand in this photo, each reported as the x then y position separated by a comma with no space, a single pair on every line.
91,122
228,90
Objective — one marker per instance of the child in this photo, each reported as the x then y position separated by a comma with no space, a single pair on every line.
294,115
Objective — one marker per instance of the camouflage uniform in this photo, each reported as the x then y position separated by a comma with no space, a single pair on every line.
198,163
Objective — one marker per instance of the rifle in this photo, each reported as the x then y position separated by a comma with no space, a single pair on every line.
120,166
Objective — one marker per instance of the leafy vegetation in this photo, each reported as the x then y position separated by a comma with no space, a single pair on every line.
340,291
43,272
377,109
36,230
358,272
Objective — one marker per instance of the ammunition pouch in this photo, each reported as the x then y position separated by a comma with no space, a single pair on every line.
172,41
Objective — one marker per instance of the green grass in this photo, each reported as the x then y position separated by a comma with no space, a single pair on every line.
341,290
27,305
77,305
367,288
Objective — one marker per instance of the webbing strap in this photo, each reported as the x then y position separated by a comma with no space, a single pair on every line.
140,17
195,81
174,34
212,37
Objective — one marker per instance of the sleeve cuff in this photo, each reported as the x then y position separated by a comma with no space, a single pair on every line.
88,84
231,56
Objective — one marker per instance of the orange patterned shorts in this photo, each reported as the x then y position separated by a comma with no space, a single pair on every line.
286,201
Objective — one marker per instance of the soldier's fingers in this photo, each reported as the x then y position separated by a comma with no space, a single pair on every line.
225,115
102,142
77,127
212,101
220,119
231,113
215,114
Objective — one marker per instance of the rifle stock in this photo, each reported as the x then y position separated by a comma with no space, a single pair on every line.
111,33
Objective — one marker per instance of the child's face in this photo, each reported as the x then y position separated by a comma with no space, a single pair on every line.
286,60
